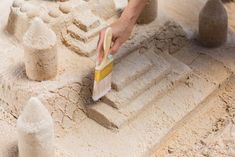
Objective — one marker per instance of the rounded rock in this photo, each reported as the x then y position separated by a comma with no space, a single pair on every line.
46,18
65,8
54,13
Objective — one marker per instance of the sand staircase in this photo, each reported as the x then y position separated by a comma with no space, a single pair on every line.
171,103
138,80
82,35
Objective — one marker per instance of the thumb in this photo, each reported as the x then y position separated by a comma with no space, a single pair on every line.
116,45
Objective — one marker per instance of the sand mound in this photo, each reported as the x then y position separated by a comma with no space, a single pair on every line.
34,117
39,35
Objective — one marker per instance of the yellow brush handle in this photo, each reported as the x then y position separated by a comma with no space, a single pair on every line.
107,44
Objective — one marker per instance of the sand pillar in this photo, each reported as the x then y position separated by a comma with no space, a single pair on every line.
13,19
213,24
19,21
149,13
35,131
40,51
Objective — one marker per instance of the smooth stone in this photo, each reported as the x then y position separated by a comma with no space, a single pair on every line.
54,13
65,8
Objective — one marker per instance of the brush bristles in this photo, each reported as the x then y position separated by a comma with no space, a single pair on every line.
102,87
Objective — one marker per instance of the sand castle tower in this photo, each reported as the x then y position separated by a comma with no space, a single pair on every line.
149,13
19,18
40,51
213,24
35,131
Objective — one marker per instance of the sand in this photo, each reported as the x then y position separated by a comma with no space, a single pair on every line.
35,130
186,109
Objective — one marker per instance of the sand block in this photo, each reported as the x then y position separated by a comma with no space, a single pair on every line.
86,20
83,49
105,114
82,42
178,73
119,99
85,37
122,98
129,69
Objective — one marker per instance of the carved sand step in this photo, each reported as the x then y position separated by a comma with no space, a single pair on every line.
129,69
179,73
80,35
86,21
119,99
155,92
106,115
122,98
83,49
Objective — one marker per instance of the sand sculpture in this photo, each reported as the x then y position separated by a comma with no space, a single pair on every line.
213,24
66,96
149,14
35,131
65,8
40,51
19,18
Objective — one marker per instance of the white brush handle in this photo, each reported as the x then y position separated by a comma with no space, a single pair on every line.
107,44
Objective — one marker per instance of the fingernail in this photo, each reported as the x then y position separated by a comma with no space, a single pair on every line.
110,56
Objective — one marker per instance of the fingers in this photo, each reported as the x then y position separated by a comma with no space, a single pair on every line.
116,45
117,42
100,46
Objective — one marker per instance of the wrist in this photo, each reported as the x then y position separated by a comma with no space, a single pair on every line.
129,20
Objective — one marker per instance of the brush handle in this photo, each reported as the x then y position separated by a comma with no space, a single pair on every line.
106,46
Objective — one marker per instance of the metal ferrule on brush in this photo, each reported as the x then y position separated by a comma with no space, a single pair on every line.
101,73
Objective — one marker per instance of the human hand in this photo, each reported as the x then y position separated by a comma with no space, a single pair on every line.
121,30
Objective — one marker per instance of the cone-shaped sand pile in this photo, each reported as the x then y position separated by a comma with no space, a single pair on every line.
213,24
35,131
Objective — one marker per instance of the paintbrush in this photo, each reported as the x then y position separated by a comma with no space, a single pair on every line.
103,70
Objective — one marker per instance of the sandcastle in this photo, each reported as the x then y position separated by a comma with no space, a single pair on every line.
51,70
40,51
213,24
149,13
35,131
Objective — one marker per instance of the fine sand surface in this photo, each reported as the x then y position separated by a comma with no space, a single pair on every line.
208,130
